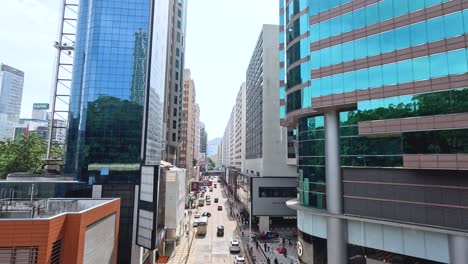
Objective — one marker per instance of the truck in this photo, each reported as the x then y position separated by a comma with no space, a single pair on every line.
202,224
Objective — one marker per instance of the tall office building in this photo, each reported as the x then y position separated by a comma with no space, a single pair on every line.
196,150
203,138
266,175
254,143
116,112
187,148
240,124
11,94
39,111
175,80
378,92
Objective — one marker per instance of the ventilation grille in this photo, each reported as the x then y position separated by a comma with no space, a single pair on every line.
56,250
18,255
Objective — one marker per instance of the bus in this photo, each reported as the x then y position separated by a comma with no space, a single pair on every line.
202,225
201,202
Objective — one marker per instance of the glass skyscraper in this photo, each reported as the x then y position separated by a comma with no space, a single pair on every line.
377,91
11,94
116,108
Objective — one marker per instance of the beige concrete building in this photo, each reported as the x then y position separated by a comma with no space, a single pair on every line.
239,124
174,81
196,150
189,119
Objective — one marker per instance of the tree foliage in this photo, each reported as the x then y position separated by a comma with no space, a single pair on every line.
24,154
211,164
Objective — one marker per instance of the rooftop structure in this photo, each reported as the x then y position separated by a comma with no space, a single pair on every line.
59,230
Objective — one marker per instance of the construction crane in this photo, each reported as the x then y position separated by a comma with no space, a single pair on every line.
65,45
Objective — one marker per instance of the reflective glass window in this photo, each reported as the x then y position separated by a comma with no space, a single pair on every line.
282,93
434,142
438,64
434,66
418,34
306,97
454,24
293,101
436,103
282,111
436,29
281,74
405,71
457,62
369,15
297,75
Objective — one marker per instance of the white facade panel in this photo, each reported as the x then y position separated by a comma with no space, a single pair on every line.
99,241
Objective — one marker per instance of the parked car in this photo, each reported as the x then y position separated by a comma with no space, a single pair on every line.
195,224
208,202
196,215
220,230
268,235
215,200
207,214
234,246
239,259
220,207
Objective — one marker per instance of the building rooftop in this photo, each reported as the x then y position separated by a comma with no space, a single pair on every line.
11,209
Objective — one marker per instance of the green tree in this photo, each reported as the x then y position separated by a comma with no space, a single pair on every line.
24,154
211,164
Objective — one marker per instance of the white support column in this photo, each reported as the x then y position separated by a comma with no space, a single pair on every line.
336,228
458,248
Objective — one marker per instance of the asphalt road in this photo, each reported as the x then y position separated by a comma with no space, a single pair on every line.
211,248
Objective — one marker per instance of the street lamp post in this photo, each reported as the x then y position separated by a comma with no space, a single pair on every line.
250,228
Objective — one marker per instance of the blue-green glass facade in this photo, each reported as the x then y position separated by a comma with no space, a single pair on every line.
107,93
116,108
439,28
314,39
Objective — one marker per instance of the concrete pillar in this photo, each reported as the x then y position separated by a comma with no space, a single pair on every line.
458,249
264,223
336,228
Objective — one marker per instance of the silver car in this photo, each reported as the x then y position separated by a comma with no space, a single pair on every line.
234,246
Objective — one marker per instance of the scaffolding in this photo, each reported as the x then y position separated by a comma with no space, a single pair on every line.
60,107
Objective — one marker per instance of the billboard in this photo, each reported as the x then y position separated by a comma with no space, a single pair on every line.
205,183
269,195
41,106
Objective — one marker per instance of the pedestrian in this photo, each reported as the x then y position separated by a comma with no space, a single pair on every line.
268,260
275,261
256,244
265,246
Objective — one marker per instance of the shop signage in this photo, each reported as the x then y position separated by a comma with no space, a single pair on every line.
299,249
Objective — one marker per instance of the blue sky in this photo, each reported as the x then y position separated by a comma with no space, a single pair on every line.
221,36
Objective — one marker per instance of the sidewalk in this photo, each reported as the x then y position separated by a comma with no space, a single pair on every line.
272,252
259,256
184,250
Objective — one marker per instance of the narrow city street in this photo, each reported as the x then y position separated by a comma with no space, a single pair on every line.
209,249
